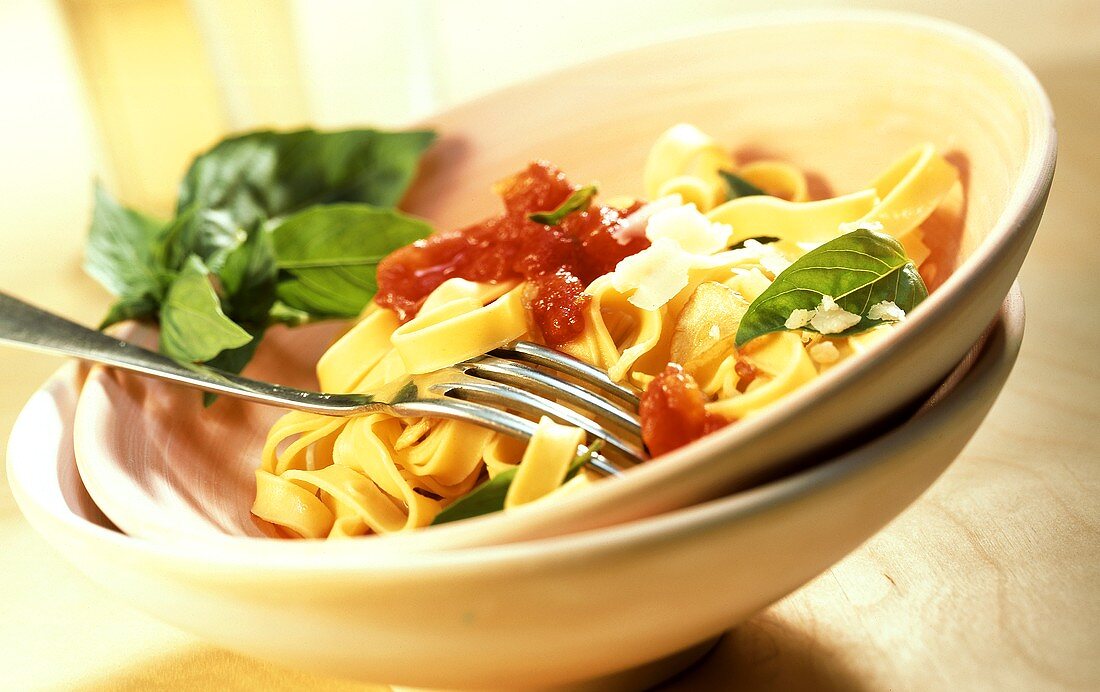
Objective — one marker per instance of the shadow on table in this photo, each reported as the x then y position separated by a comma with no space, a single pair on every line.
767,653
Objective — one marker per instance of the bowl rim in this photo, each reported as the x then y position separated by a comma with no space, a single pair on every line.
37,491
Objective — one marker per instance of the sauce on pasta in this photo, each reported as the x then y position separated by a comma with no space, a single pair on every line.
557,261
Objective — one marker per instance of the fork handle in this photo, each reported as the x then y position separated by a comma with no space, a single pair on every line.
25,326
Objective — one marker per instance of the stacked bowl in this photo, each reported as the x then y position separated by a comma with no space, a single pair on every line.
622,584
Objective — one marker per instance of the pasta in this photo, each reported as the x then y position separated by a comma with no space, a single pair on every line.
690,263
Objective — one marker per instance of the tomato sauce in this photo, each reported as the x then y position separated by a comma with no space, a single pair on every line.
558,261
673,413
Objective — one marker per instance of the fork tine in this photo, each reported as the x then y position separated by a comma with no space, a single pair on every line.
496,393
538,382
492,418
528,352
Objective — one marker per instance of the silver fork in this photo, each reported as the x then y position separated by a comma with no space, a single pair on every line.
501,390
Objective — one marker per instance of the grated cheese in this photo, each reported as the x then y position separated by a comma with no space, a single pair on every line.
799,318
886,311
830,318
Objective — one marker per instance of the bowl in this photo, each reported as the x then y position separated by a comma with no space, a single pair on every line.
617,607
838,93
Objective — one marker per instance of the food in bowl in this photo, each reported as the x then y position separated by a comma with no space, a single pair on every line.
726,290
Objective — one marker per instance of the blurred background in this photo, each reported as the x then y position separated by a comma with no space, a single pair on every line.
128,91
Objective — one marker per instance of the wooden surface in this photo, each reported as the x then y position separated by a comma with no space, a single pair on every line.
991,580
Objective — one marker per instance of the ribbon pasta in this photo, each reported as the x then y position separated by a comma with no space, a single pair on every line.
324,477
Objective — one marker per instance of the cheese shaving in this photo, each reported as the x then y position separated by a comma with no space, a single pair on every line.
655,275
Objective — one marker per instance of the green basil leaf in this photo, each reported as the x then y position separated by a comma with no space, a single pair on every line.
262,175
484,499
120,250
580,199
208,234
248,277
489,496
858,269
233,360
193,327
130,308
737,186
327,256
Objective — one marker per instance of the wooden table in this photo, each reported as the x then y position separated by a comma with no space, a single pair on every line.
991,580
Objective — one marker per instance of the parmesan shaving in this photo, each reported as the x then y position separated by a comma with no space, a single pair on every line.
634,226
886,311
830,318
799,319
689,229
655,275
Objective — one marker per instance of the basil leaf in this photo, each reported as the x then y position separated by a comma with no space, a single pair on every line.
130,308
208,234
327,256
580,199
737,186
262,175
489,496
248,277
211,276
193,327
484,499
858,269
120,250
233,360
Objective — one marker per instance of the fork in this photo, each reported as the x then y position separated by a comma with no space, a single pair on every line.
501,390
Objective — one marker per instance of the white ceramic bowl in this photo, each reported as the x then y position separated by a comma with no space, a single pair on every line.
548,612
840,94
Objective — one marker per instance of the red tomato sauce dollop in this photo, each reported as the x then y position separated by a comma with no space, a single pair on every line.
673,413
558,261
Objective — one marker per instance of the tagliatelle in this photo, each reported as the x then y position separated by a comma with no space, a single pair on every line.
460,320
323,477
618,333
685,161
910,190
777,178
799,222
786,366
376,472
545,462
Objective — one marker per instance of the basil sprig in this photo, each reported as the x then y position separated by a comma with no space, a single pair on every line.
270,227
858,269
580,199
489,496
